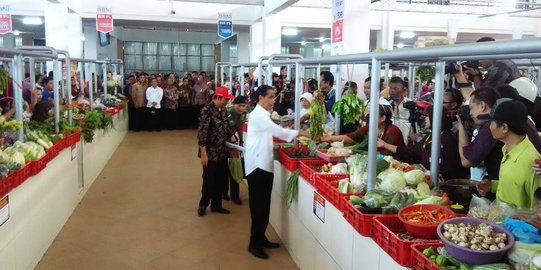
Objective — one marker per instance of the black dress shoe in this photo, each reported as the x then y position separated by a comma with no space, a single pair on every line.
270,244
221,211
201,210
225,197
237,201
258,252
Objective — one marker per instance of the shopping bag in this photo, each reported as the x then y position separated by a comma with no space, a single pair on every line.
235,168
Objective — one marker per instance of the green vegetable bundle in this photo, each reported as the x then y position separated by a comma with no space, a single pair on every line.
349,108
292,187
317,117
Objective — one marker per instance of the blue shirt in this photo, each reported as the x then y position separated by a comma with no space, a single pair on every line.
45,95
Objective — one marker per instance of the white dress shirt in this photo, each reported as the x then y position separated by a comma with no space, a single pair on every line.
154,95
259,147
401,117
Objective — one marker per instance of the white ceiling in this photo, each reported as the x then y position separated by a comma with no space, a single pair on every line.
315,3
236,2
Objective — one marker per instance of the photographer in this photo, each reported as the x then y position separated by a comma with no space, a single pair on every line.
401,115
450,165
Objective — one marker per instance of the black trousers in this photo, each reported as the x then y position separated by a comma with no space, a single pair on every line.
171,118
214,179
185,117
232,186
154,121
259,190
139,119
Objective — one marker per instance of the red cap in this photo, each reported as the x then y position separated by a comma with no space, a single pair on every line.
223,91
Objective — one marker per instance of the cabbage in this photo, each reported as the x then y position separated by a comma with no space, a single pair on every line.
17,158
424,190
431,200
414,177
392,182
522,253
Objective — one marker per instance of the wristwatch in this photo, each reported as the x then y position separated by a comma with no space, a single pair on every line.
463,85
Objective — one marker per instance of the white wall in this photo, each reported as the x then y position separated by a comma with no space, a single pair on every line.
243,47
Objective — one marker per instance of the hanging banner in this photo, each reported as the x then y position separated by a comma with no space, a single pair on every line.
104,19
225,25
337,26
5,20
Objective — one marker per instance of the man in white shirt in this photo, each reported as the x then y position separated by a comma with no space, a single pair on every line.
154,96
401,115
258,162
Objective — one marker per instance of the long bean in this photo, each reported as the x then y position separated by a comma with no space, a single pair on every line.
292,186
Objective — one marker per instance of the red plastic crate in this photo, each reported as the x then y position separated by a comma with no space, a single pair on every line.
54,150
9,182
73,139
385,229
3,186
419,260
362,223
37,166
308,169
291,164
21,174
327,186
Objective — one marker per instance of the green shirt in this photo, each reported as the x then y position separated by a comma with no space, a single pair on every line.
235,120
518,181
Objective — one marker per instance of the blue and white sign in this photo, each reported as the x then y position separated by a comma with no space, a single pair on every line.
225,25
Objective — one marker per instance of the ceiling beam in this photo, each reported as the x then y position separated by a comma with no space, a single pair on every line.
231,2
275,6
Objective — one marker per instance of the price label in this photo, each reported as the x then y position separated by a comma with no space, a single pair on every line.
319,206
4,210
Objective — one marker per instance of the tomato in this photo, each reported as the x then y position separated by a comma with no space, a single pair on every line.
408,168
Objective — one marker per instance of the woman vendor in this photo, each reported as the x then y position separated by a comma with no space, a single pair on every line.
450,165
388,132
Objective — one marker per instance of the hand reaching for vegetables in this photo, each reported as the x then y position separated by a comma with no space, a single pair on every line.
326,138
483,187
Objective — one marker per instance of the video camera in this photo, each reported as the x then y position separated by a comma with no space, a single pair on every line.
455,67
416,115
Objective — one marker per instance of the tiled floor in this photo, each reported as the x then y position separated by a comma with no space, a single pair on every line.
141,214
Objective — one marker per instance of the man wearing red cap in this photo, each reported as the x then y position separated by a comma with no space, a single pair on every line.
213,133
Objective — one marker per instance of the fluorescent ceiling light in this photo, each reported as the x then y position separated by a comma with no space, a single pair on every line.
303,43
326,47
290,32
407,34
32,21
16,32
321,39
400,45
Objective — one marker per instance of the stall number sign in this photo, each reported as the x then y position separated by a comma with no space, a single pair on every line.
104,19
4,210
225,25
5,20
319,206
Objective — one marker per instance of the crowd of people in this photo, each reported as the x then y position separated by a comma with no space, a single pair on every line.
489,133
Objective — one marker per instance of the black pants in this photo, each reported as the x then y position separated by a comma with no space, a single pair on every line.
139,119
214,180
171,118
153,119
185,117
259,190
233,186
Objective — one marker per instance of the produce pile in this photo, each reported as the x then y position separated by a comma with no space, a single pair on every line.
482,237
349,108
427,217
17,155
338,149
318,116
447,262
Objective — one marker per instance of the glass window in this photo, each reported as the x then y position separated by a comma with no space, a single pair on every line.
133,48
194,63
165,49
207,50
165,63
150,62
207,63
233,51
179,63
129,61
150,48
194,49
179,49
139,62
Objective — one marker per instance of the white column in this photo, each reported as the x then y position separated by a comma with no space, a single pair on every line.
256,41
243,48
224,51
356,39
387,32
75,31
273,35
56,25
91,41
452,28
517,30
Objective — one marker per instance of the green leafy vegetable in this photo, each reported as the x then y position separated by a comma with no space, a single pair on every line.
349,108
292,186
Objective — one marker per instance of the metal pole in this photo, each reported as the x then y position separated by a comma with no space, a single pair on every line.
93,77
386,74
269,78
241,80
115,72
41,68
436,123
57,76
104,69
411,80
231,77
221,75
32,64
81,68
122,79
68,87
288,67
16,69
298,92
373,122
337,96
216,72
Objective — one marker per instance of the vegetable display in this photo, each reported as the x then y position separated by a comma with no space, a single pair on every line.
317,117
292,186
425,217
480,237
349,108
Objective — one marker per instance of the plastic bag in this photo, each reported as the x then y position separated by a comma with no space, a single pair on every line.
479,207
499,211
235,168
522,253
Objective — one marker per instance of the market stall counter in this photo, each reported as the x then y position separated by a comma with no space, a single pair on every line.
33,213
316,233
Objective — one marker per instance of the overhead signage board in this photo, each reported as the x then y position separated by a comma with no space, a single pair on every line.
225,25
104,19
5,20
